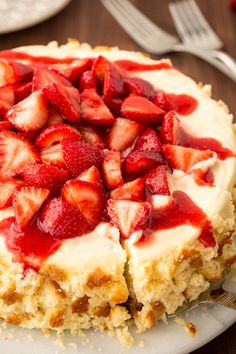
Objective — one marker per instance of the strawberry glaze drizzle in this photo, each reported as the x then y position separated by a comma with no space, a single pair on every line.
180,211
14,55
30,247
188,140
181,104
130,65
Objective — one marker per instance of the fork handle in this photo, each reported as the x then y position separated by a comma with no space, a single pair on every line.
220,63
226,59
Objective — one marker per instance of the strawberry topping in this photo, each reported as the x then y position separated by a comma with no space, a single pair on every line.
131,191
156,181
111,169
55,134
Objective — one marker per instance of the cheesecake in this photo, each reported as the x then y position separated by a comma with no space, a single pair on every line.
117,177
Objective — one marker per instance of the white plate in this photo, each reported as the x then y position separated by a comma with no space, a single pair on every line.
162,339
19,14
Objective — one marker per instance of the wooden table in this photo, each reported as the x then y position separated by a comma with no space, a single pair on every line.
89,22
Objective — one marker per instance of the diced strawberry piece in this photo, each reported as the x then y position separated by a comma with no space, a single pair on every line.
156,181
170,129
99,68
54,118
43,77
45,176
91,175
87,197
130,191
182,158
138,162
76,69
15,154
139,87
123,133
7,98
31,114
128,216
141,110
92,136
26,203
162,101
113,84
114,104
22,90
149,141
55,134
5,125
93,109
53,155
111,169
87,81
62,220
66,100
79,156
7,188
12,71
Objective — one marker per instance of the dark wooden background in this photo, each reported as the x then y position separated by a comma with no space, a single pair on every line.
88,21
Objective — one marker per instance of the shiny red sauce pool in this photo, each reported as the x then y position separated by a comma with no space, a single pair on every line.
31,246
180,211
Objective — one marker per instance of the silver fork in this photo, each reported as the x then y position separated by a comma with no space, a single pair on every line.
152,38
193,29
216,297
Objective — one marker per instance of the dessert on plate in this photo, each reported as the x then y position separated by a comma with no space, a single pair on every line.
117,175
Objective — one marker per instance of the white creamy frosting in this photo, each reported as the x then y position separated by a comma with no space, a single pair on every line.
210,119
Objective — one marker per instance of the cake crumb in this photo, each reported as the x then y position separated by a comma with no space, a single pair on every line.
125,337
59,342
190,328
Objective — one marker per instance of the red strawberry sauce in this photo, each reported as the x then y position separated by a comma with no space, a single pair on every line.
181,104
129,65
181,210
188,140
31,246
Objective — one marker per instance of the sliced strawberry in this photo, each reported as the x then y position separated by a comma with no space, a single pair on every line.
99,68
12,71
138,162
149,141
45,176
54,118
161,100
128,216
141,110
26,203
92,136
131,191
43,77
123,133
113,84
76,69
62,220
170,129
91,175
111,169
156,181
93,109
22,90
182,158
87,197
139,87
114,104
31,114
79,156
87,81
66,100
5,125
55,134
15,154
7,98
7,188
53,155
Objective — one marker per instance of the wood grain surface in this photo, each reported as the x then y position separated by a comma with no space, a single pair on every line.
88,21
